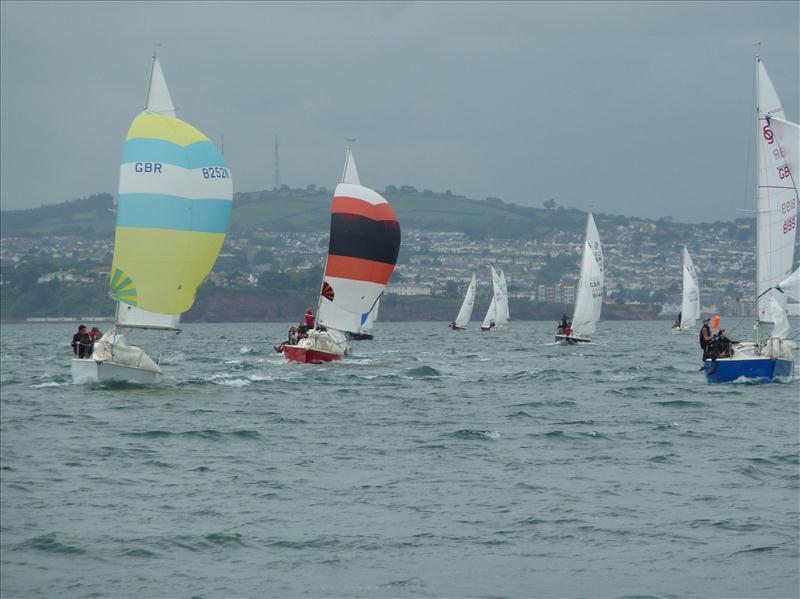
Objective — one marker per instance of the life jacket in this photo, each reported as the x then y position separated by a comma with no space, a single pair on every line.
703,342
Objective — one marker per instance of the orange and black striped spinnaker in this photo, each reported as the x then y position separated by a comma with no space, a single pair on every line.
364,241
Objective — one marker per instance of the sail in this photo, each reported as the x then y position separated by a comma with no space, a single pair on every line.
690,306
362,253
158,97
589,297
778,314
370,318
133,317
787,134
465,313
501,298
350,172
490,315
791,285
776,206
173,209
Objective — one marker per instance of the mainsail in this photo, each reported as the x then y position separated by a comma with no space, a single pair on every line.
776,205
362,252
690,306
502,300
173,210
589,297
465,313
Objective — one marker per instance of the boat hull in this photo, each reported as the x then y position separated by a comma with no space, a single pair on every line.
360,337
757,369
305,355
571,339
87,370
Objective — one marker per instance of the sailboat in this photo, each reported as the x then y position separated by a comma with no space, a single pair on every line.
362,253
173,210
771,358
497,314
465,313
589,296
365,332
690,305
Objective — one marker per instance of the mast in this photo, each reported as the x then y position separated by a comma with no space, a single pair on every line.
757,325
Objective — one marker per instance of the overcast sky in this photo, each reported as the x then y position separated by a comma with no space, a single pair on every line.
631,108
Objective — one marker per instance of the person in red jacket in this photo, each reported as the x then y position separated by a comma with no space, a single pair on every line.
310,319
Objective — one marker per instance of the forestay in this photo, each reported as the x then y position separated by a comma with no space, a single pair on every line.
465,313
690,306
173,210
589,297
776,210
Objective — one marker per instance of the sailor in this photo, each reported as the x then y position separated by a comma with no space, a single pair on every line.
452,325
725,344
82,343
677,324
563,324
705,340
309,319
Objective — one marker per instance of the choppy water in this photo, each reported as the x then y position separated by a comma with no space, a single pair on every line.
430,464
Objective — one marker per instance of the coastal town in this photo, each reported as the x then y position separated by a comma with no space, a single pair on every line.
643,265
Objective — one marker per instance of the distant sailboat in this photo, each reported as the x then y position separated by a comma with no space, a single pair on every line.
465,313
173,210
690,305
365,332
589,296
502,316
362,253
493,314
776,226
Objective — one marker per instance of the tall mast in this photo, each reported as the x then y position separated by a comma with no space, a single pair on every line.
758,215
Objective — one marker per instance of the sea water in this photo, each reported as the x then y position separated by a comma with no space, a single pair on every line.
430,463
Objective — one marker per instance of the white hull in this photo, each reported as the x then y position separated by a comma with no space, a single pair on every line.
90,371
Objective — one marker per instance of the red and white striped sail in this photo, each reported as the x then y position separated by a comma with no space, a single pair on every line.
362,253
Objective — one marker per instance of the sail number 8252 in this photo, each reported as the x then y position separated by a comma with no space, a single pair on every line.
216,172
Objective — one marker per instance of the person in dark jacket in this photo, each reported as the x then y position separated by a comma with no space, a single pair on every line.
82,343
705,340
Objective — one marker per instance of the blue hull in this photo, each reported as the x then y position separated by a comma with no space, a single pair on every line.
763,370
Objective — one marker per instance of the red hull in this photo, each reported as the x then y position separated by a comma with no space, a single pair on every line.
308,356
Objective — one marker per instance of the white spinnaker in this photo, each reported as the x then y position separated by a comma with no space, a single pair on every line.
690,306
589,299
778,314
776,206
133,317
158,97
465,313
791,285
787,135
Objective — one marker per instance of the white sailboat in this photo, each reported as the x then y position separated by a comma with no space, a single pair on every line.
690,304
362,253
173,209
589,296
770,357
490,321
502,316
365,332
465,313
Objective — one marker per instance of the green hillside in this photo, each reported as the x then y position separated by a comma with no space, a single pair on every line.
308,209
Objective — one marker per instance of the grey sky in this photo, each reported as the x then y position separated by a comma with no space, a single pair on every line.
633,108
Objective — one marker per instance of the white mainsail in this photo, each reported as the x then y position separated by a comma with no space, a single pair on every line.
490,315
690,306
465,313
589,298
787,134
502,300
158,97
776,203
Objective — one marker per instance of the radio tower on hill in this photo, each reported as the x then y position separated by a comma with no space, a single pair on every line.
276,174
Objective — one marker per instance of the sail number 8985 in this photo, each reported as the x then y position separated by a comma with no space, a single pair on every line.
216,172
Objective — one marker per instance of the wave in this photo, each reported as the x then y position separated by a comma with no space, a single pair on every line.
475,434
202,434
50,544
423,372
